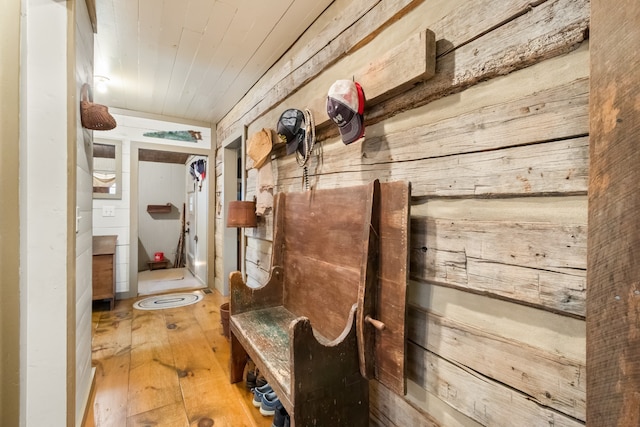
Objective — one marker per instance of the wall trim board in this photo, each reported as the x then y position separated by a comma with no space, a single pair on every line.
72,195
227,170
613,300
10,225
158,117
91,8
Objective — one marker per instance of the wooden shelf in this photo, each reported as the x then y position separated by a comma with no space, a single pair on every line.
159,208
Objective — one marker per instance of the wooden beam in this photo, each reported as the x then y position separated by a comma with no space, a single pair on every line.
613,298
537,263
161,156
479,397
91,8
559,168
547,378
389,409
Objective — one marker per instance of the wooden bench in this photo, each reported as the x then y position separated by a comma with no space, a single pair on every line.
331,315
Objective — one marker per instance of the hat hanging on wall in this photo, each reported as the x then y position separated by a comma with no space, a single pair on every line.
259,147
345,106
291,129
94,116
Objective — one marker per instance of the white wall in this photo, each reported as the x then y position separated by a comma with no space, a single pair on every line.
47,322
162,183
130,130
119,224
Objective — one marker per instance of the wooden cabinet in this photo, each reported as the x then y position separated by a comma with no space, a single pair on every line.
104,268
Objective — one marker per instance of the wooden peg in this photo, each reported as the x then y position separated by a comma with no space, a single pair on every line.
375,323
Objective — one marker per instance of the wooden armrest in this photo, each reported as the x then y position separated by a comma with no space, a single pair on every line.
243,298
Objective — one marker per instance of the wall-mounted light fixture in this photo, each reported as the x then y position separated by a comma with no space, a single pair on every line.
242,214
101,83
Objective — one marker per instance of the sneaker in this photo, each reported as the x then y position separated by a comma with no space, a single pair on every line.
269,403
260,381
252,376
258,392
280,416
251,380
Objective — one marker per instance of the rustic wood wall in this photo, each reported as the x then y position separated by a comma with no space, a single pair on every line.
495,146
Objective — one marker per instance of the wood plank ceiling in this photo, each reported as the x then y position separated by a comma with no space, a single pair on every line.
192,59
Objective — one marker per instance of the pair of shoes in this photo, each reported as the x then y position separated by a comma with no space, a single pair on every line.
281,417
269,403
258,392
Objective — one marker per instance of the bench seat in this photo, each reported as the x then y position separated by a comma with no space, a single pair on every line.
268,332
331,316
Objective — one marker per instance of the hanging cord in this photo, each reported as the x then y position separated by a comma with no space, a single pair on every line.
307,145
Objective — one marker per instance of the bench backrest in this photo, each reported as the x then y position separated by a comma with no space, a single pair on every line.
321,241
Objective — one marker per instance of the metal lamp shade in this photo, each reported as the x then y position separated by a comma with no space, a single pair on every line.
242,214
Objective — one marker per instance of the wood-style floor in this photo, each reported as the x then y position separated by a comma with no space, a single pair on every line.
166,368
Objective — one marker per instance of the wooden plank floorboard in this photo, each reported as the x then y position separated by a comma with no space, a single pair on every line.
208,316
170,415
153,378
166,368
111,353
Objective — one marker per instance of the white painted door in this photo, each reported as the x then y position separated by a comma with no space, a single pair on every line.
191,231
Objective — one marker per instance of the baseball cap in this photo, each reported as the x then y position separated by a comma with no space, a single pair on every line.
345,106
290,129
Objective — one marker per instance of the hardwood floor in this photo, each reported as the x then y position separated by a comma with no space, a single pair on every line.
166,368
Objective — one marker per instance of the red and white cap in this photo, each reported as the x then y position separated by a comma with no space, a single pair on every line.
345,106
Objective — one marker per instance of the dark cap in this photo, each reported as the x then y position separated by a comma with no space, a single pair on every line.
290,129
345,106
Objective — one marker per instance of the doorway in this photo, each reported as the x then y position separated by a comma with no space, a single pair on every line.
169,219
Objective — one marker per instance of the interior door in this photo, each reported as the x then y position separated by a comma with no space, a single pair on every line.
191,231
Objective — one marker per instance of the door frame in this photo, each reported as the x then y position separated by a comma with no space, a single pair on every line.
191,224
232,149
136,146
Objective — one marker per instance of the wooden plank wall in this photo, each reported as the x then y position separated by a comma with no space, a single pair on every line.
496,147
